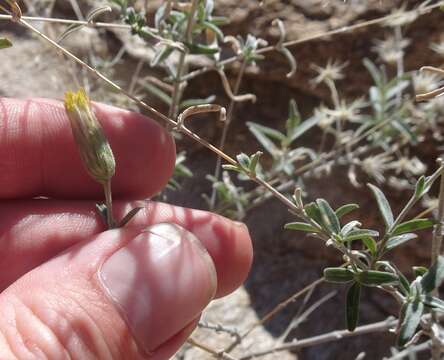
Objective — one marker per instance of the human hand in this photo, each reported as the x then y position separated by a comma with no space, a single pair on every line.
70,290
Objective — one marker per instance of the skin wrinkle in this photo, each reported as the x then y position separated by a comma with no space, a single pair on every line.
91,332
16,340
53,333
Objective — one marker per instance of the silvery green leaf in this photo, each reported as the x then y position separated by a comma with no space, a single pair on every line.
345,209
157,92
329,218
376,278
361,233
349,227
243,160
96,12
215,29
300,226
338,275
383,205
433,278
254,162
313,212
162,53
413,225
433,302
294,118
261,133
370,244
409,319
395,241
303,127
352,306
420,187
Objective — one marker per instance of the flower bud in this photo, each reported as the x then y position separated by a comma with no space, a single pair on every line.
93,146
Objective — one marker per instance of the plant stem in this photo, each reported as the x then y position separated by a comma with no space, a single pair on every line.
437,233
324,338
109,205
177,90
223,139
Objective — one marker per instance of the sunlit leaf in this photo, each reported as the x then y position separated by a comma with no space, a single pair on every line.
383,205
413,225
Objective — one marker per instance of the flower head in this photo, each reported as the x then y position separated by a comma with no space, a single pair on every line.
391,49
331,72
94,149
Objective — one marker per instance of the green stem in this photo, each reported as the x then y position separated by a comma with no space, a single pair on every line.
109,205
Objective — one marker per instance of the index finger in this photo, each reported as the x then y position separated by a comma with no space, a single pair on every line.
38,156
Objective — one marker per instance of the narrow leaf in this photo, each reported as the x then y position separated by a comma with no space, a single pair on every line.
352,306
338,275
383,205
434,276
329,217
313,212
413,225
395,241
349,227
433,302
375,278
243,160
262,134
409,318
129,216
370,244
254,161
294,118
154,90
345,209
304,127
360,234
300,226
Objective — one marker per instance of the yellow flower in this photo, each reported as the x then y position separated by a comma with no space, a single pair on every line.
93,146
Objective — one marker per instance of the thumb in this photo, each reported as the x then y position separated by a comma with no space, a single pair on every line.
127,293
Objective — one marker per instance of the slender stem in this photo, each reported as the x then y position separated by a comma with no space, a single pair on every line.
399,61
324,338
217,354
177,91
225,129
109,205
70,22
437,233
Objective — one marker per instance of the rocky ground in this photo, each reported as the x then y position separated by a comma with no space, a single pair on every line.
284,263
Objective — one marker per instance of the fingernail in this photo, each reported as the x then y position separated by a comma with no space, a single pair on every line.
160,281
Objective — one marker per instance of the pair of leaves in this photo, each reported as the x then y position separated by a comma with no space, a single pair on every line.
359,279
246,164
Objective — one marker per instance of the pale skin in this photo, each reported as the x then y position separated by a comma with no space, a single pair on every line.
62,296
